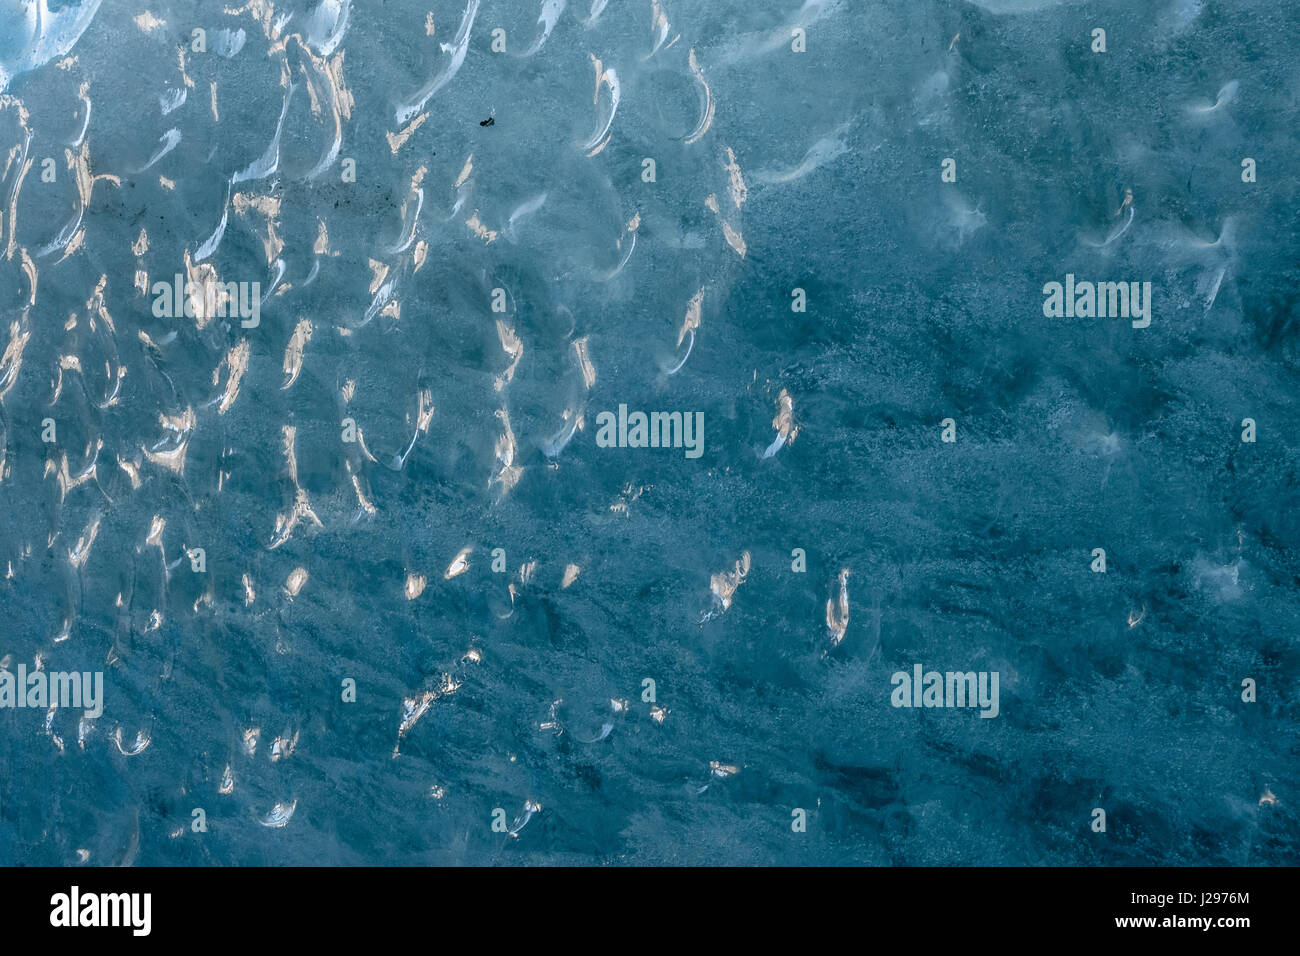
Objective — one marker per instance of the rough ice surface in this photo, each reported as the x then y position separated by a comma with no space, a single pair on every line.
349,464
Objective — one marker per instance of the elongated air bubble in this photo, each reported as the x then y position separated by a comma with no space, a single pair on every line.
659,25
525,209
1122,229
551,10
279,815
456,49
327,24
408,230
821,153
381,299
605,730
269,161
597,7
706,103
1227,93
85,122
214,240
562,438
43,34
275,279
321,80
622,262
169,141
522,820
678,367
609,79
65,235
1210,289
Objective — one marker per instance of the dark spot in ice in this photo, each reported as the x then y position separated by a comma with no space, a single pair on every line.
588,775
